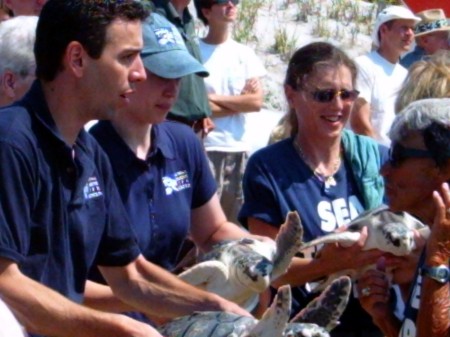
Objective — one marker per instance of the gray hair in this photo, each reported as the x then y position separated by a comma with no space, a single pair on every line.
419,115
17,37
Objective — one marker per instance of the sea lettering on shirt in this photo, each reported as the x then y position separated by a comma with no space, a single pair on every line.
338,212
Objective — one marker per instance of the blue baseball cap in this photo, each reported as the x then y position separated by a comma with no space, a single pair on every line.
164,53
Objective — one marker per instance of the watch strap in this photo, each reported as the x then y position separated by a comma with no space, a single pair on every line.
440,273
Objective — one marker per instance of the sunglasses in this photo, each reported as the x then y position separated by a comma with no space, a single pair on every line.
327,95
224,2
398,153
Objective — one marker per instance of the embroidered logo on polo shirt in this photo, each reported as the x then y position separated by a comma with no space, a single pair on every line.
92,189
176,182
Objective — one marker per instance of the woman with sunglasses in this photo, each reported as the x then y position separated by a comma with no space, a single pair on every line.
417,177
325,172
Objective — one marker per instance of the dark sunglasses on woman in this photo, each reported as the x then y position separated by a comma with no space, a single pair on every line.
328,95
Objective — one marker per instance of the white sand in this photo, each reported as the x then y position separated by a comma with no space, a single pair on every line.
282,15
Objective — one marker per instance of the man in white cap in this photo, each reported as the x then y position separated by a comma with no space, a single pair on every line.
432,35
380,74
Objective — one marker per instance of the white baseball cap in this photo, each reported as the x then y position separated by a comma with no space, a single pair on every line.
388,14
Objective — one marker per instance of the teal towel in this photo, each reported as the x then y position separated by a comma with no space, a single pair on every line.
364,156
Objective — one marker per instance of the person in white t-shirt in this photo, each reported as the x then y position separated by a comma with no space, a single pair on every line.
9,326
234,88
380,75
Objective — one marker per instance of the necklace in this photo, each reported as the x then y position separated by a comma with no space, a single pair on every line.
329,180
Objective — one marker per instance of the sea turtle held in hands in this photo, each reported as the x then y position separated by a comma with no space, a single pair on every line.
388,231
316,320
239,270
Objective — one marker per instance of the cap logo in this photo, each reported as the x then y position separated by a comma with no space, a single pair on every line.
165,36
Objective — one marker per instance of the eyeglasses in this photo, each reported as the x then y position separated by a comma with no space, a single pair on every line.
398,153
224,2
327,95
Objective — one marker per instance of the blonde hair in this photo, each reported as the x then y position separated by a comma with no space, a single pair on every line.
428,78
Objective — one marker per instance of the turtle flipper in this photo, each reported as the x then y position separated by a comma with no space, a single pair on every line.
326,309
207,275
274,321
288,242
345,239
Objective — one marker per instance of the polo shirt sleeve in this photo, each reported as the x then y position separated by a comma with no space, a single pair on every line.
16,200
204,186
260,199
118,246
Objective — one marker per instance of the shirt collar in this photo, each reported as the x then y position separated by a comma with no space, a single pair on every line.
36,103
123,156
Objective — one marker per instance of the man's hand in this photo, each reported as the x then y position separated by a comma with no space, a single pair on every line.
207,125
438,245
373,290
251,86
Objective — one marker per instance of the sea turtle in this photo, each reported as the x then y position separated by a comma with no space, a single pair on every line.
388,231
316,320
241,269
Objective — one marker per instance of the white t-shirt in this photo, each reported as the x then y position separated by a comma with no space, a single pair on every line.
229,64
379,82
9,326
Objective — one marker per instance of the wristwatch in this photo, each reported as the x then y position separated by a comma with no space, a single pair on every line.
440,273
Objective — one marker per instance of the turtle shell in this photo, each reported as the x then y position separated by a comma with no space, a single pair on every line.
208,324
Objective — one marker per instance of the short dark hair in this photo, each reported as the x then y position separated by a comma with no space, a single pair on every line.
199,5
85,21
437,140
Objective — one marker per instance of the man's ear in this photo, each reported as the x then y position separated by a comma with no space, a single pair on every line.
206,12
8,83
382,30
74,58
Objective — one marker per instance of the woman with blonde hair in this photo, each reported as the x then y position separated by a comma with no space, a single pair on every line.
325,172
426,79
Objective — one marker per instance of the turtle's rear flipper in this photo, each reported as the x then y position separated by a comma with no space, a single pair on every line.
326,309
274,320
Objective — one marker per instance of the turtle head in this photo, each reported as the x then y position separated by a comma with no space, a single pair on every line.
253,270
399,239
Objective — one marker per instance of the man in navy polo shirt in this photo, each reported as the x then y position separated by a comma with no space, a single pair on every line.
60,212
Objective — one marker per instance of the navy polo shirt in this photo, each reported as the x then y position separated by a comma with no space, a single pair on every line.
160,192
60,211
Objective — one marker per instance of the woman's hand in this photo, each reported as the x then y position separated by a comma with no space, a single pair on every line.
352,257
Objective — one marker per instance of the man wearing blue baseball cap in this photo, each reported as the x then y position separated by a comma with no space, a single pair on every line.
160,166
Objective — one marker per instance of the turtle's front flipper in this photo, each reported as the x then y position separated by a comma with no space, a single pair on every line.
206,275
345,239
326,309
288,242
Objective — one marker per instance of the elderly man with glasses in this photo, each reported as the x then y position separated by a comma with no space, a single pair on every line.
417,176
